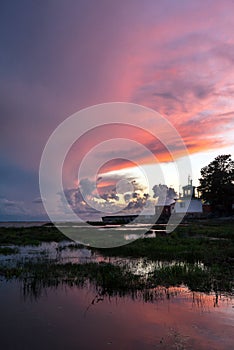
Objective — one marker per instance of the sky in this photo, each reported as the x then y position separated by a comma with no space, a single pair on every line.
59,57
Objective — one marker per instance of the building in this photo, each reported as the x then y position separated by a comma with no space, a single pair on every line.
188,203
126,219
164,210
118,219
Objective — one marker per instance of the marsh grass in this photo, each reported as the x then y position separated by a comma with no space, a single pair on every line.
8,250
211,228
118,280
174,247
30,235
215,278
209,243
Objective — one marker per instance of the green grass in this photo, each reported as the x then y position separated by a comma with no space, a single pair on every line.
187,243
190,249
216,278
30,235
212,228
112,279
88,235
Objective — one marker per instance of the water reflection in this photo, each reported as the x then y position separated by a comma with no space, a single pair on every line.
140,279
64,251
52,264
66,301
34,289
81,318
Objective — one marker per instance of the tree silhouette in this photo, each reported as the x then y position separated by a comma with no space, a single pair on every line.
163,192
217,184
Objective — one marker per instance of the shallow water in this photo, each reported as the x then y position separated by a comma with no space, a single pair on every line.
53,251
85,318
77,318
65,252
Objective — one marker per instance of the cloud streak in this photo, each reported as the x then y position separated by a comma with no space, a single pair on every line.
175,57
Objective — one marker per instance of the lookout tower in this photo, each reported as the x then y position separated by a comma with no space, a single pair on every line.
189,189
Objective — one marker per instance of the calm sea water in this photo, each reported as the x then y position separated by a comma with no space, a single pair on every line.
21,223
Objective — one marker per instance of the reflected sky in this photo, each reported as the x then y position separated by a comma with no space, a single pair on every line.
75,318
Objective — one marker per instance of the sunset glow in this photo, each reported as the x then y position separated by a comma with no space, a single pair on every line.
173,57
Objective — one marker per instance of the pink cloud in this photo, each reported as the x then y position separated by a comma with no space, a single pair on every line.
175,58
